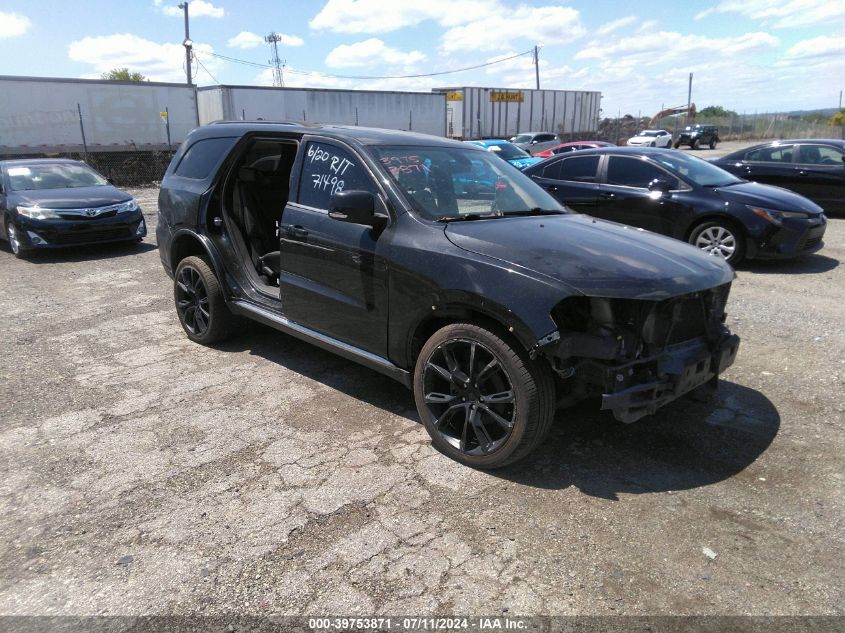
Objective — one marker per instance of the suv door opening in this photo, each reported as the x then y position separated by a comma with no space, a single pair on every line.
255,197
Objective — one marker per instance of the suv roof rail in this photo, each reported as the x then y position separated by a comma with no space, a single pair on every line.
266,122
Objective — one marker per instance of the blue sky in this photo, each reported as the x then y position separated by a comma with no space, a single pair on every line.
746,54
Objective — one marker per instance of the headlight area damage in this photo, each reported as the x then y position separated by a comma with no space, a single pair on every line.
639,355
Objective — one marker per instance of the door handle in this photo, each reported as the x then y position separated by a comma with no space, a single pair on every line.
551,188
801,172
295,231
606,195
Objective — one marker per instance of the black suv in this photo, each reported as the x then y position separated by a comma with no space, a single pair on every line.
495,304
697,135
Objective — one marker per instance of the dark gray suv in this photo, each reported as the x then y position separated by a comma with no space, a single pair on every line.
494,303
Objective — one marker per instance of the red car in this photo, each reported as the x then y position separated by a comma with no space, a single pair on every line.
571,147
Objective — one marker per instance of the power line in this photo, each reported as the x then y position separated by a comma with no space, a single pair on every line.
329,75
207,72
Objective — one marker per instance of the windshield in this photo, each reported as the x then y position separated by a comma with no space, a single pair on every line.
647,133
53,176
522,138
697,170
454,183
507,151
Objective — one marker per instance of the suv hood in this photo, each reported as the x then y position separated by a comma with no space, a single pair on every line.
594,257
768,196
74,198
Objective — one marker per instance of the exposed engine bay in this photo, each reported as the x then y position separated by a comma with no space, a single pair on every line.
639,355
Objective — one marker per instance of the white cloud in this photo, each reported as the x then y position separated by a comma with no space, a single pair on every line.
609,27
378,16
247,39
491,31
823,46
158,62
371,51
471,24
663,47
782,14
648,25
196,9
13,24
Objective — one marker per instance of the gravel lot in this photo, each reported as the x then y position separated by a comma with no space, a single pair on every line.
143,474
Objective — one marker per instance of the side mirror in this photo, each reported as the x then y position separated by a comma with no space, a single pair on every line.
660,185
533,142
355,207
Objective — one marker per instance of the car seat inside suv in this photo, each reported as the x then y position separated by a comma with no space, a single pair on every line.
259,192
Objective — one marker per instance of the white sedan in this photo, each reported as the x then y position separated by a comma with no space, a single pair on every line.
651,138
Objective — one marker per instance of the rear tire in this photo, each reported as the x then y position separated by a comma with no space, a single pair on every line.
200,303
483,401
721,238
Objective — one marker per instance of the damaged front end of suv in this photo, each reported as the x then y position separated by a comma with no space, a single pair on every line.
638,354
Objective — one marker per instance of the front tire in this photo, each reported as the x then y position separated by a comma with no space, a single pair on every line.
18,250
713,144
696,144
721,238
483,401
677,144
200,303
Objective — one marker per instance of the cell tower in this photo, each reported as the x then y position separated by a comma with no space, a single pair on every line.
278,65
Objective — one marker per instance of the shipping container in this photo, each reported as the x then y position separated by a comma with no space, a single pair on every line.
474,113
44,115
416,111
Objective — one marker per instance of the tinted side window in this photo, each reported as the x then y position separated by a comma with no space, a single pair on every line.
542,138
328,169
575,168
776,154
634,172
819,155
202,157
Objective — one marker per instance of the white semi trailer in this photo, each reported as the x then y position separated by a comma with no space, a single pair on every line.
44,115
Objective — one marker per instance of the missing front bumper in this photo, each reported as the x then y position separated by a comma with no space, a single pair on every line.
678,371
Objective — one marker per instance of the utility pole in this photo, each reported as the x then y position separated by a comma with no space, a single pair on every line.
273,40
689,97
187,43
537,64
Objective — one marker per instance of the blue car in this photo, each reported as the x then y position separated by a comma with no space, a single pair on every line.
508,151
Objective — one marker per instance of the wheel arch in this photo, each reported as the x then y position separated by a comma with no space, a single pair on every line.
186,243
709,217
465,313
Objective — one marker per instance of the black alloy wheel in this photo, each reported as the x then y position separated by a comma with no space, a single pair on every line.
199,302
470,395
482,400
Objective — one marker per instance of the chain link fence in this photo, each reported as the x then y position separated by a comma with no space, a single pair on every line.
741,127
124,169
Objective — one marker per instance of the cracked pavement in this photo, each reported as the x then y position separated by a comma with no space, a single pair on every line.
143,474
